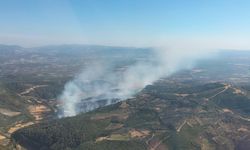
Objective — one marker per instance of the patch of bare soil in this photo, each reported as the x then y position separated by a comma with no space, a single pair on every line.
114,137
225,110
19,126
238,91
4,141
38,110
8,112
126,136
122,116
139,133
2,137
99,139
181,94
243,130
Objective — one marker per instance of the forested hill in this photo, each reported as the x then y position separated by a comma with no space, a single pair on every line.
170,114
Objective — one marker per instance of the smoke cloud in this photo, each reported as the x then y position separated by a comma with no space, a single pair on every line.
102,83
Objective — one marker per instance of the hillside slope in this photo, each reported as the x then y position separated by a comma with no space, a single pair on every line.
167,115
31,79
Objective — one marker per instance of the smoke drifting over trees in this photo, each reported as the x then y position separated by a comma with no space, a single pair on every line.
103,83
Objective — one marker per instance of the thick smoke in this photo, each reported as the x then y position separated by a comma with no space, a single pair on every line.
101,83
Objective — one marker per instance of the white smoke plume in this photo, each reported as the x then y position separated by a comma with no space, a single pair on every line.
100,84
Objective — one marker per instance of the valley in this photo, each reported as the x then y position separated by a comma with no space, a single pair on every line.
155,119
206,107
124,75
31,80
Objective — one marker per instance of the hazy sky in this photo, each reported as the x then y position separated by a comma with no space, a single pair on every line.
215,23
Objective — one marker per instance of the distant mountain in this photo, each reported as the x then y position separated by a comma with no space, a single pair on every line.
9,49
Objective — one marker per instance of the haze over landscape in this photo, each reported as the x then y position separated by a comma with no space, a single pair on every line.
124,75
